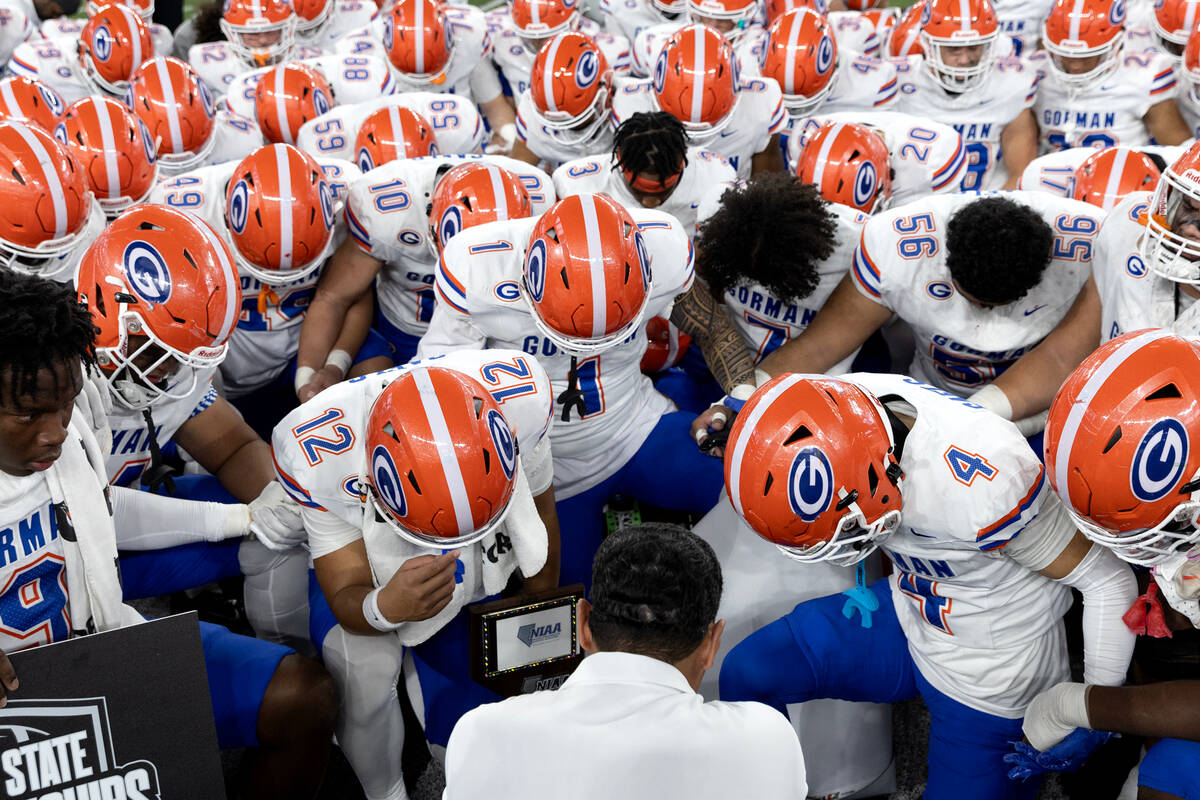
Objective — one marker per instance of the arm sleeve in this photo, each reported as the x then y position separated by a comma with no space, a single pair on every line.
147,521
326,532
485,82
539,467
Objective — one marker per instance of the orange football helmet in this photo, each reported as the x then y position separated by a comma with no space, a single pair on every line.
279,209
1175,206
864,5
143,8
165,278
696,81
775,9
1078,29
849,164
809,465
1119,447
905,38
665,345
571,88
419,43
46,198
1191,66
113,44
393,133
471,194
536,21
1109,174
286,97
802,57
312,17
27,100
587,274
1174,21
951,30
439,432
172,101
719,14
114,149
260,32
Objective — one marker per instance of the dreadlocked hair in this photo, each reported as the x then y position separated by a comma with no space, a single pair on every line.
650,142
42,325
773,231
656,588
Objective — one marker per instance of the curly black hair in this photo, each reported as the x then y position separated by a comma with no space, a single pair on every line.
42,327
206,22
655,590
773,231
650,142
997,249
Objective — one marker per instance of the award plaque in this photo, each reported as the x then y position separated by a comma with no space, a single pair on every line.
526,644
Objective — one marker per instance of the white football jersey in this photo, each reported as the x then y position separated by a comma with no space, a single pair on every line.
15,27
979,115
901,264
705,170
927,157
766,322
55,63
388,215
472,47
756,116
63,268
1108,114
1055,172
71,27
1189,109
860,33
351,78
1021,20
481,304
1131,296
627,17
130,452
218,66
33,601
980,627
456,123
344,17
268,331
547,146
650,41
514,61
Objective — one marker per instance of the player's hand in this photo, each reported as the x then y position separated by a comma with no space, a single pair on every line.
8,679
321,380
1066,756
712,424
275,519
420,589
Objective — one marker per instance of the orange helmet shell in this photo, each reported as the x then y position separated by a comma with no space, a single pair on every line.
172,101
474,194
112,44
802,57
1109,174
114,149
27,100
849,164
287,96
700,93
418,40
393,133
44,192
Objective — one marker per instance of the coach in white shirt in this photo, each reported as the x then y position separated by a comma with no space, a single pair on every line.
628,723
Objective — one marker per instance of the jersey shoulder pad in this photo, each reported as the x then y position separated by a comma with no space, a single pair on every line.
45,60
713,166
199,191
670,251
339,173
536,182
469,29
478,259
317,448
1156,71
357,78
385,209
580,175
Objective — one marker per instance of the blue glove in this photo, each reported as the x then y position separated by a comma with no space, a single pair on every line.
1066,756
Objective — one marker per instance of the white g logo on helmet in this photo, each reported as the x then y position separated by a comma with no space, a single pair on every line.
502,437
1116,14
387,482
365,162
102,43
450,225
644,258
587,69
205,100
239,206
660,71
866,181
326,196
147,142
824,54
53,101
147,272
810,483
1159,461
535,270
320,101
388,33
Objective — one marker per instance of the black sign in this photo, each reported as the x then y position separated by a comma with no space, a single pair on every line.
123,715
528,644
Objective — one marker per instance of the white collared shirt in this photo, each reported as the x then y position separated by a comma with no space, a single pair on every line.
625,726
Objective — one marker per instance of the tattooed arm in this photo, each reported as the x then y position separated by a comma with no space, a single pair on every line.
700,316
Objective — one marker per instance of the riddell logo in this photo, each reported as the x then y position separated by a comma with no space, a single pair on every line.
536,634
62,750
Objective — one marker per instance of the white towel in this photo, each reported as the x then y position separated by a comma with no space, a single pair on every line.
487,564
77,484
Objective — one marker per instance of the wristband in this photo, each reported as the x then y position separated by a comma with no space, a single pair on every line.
236,520
374,616
738,396
994,400
508,133
303,376
340,359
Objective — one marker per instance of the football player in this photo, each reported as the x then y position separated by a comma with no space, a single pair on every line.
980,280
321,22
1136,497
114,149
276,210
574,287
257,33
1094,94
736,20
628,17
960,80
177,108
113,43
984,561
423,487
396,235
62,574
72,27
1099,177
696,81
871,160
651,166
